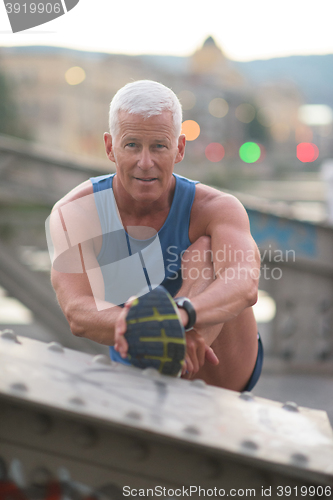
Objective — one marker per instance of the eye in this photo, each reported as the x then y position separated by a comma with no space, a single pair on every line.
160,146
130,145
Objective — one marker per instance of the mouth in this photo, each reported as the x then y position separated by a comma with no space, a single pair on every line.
146,179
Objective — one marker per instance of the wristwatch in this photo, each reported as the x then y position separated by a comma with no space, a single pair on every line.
185,303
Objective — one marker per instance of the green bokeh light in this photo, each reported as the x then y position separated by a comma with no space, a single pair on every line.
249,152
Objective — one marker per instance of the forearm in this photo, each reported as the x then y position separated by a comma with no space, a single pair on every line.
85,320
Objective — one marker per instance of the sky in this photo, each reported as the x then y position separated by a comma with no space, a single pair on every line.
244,29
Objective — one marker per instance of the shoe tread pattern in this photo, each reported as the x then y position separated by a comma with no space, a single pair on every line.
155,336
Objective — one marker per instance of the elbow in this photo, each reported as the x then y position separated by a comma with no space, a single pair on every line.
75,324
253,298
252,295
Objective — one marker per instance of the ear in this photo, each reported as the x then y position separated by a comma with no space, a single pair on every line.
108,146
181,148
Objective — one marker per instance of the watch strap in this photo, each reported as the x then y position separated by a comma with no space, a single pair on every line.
185,303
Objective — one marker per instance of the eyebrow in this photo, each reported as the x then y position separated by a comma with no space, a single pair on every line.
134,139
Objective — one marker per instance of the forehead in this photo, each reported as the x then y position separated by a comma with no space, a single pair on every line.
161,125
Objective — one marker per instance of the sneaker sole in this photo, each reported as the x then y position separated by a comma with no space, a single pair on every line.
155,336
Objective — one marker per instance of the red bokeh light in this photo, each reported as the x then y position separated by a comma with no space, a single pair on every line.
214,152
307,152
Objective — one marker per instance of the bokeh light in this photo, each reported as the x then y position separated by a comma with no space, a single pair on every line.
315,114
266,116
249,152
307,152
214,152
75,75
280,132
191,130
187,99
265,309
245,112
218,107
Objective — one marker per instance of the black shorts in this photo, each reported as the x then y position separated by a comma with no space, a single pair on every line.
257,367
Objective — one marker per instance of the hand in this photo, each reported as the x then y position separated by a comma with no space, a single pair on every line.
197,353
120,343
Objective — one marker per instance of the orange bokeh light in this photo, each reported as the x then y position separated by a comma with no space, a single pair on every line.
214,152
307,152
191,130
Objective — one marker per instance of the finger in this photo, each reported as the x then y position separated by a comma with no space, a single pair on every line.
129,301
192,354
121,346
201,350
189,367
211,357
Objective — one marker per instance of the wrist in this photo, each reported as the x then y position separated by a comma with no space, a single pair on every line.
187,312
183,316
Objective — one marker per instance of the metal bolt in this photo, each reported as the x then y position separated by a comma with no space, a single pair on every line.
246,396
151,372
133,415
102,359
77,401
55,347
9,335
19,386
249,445
201,384
299,459
290,406
160,384
192,429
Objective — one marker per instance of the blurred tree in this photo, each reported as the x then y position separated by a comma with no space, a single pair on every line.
10,123
257,132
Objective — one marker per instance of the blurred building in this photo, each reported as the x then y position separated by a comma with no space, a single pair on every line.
63,97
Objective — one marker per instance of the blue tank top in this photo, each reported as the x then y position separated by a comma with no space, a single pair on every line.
118,246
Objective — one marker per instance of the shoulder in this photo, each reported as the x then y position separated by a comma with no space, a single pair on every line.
77,209
215,211
212,204
80,191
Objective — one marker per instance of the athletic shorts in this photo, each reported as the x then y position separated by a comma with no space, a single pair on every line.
257,367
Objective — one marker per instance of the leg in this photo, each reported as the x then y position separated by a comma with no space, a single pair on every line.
235,342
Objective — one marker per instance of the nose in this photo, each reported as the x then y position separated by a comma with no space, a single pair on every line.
145,161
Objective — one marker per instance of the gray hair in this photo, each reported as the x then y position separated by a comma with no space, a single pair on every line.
146,98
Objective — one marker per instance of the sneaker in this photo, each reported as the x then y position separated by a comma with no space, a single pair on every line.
155,335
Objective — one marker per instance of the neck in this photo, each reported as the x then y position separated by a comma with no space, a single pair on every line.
151,213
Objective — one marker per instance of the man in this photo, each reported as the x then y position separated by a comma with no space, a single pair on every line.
204,239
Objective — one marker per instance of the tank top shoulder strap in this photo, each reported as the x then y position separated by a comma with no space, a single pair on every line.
106,203
178,220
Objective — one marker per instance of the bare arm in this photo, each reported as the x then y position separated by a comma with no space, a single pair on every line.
73,229
236,262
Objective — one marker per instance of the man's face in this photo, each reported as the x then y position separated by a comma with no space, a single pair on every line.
145,152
